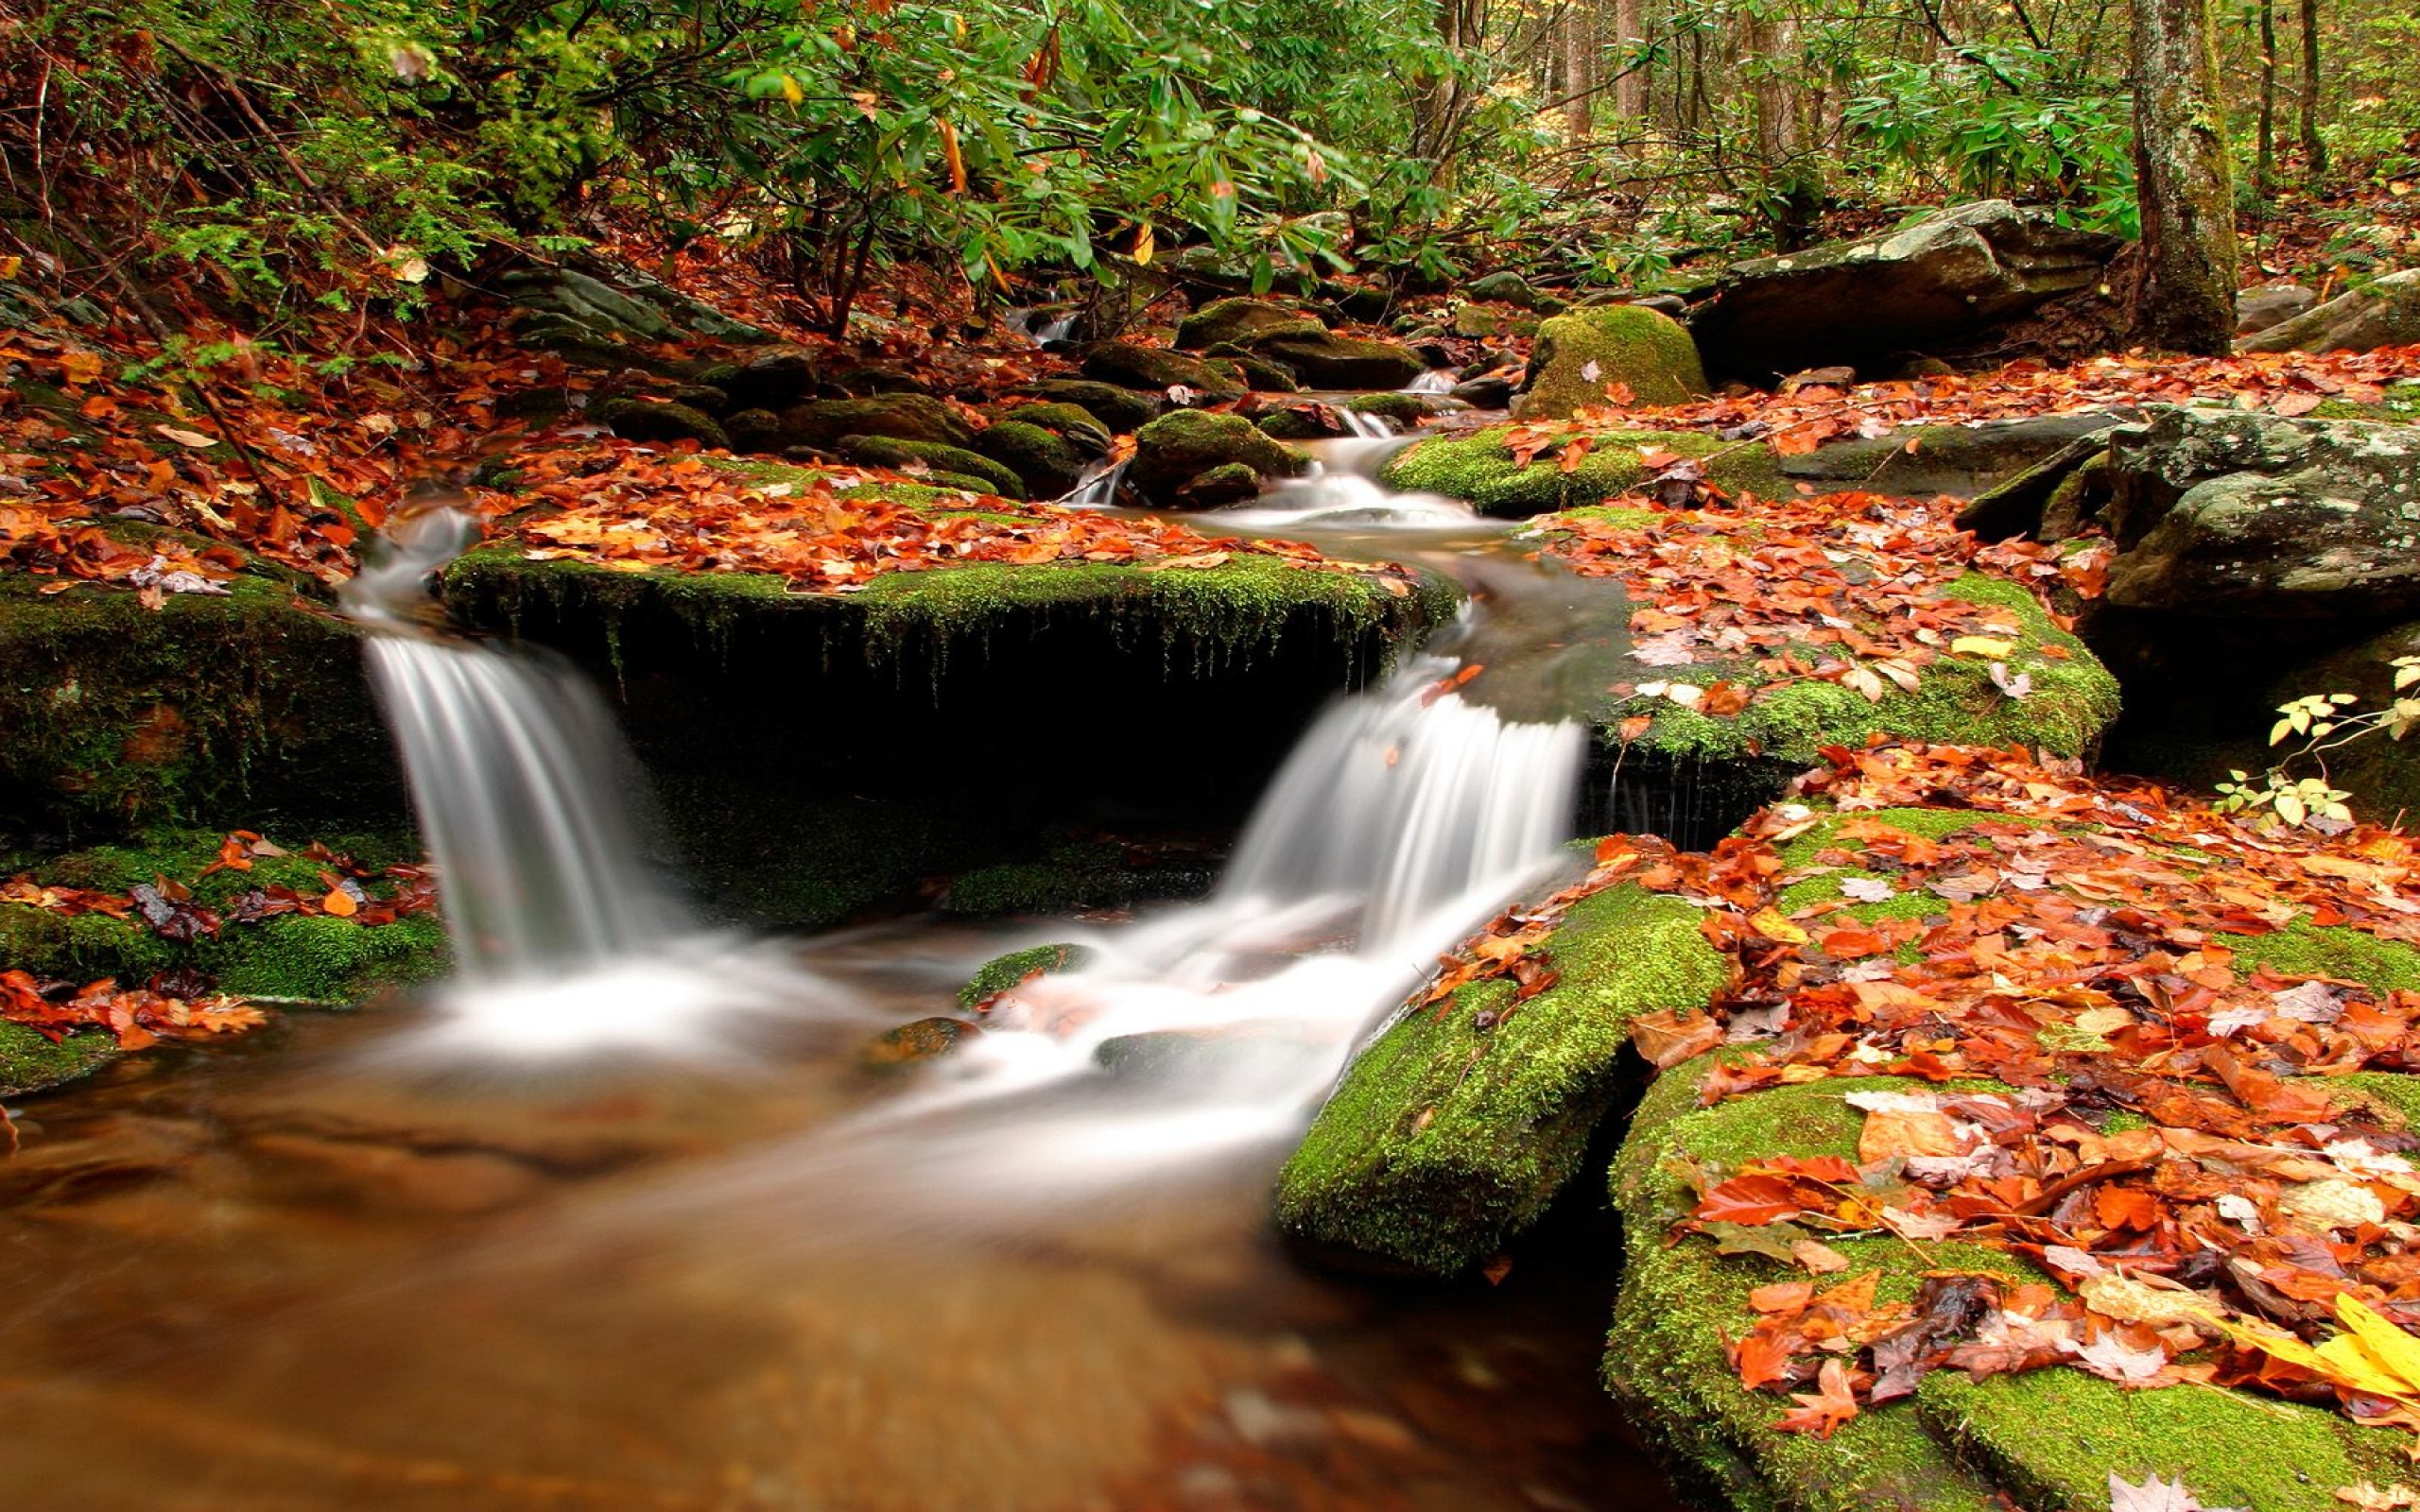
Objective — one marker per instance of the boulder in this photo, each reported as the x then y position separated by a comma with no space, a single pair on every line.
1242,322
1343,362
2385,312
1120,410
1578,355
934,456
1176,450
2382,774
2257,310
1934,284
1073,422
1264,375
903,417
655,420
774,378
1955,459
754,430
1494,391
1503,286
1158,369
2222,514
1048,465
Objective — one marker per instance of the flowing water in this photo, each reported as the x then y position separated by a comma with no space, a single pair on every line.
309,1270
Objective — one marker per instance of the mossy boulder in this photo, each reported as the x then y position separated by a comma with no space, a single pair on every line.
1503,286
657,420
1158,369
1343,362
30,1062
1073,422
883,451
2384,312
754,430
774,378
1047,464
1120,410
1579,354
1242,322
1001,972
1264,375
1480,469
1455,1130
216,710
1179,448
1291,424
1408,409
901,416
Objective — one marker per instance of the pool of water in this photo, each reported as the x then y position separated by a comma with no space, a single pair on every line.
296,1272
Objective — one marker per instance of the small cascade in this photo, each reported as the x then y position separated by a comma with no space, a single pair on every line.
1435,380
562,939
1098,488
1367,427
1342,488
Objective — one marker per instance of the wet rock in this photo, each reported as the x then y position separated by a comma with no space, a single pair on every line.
1300,423
323,1170
774,378
1935,285
1003,973
1263,374
914,1044
1072,421
903,416
1160,369
1578,355
1817,378
935,456
1173,452
1231,483
2385,312
863,379
2257,310
1345,362
754,430
1954,459
1504,286
1243,322
1478,321
1406,409
1048,465
2222,514
1494,391
621,304
1121,411
648,419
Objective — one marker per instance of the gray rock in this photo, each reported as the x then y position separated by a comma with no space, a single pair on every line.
2257,310
903,416
650,420
1491,392
1157,369
1954,459
1342,362
1244,322
2383,313
1937,283
1503,286
774,378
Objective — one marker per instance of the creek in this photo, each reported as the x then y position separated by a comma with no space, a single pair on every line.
618,1218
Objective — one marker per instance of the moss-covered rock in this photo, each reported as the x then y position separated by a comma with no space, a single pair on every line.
657,420
901,416
1158,369
1118,409
1579,354
210,710
1343,362
1179,448
1503,286
1480,469
1456,1128
30,1062
2382,312
1242,322
754,430
1264,375
1047,464
883,451
1072,421
1001,972
1408,409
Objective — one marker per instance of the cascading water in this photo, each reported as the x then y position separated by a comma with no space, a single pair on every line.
1435,380
562,939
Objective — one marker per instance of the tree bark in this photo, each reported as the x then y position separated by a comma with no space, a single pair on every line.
2264,169
1579,47
2314,150
2185,300
1631,87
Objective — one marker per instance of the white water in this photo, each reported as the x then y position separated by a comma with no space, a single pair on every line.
1098,488
563,940
1342,488
1435,380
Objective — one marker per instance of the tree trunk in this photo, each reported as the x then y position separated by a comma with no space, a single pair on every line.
2314,150
1578,39
2185,300
1631,87
2264,168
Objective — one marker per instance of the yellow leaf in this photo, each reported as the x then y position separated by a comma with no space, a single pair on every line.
2396,1351
1770,924
791,90
184,438
1982,646
1144,246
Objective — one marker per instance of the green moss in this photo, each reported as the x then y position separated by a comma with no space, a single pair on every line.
1397,407
1480,469
208,710
1445,1138
2304,949
1579,354
1036,888
2055,1438
29,1062
2072,700
2399,405
319,959
942,458
1002,972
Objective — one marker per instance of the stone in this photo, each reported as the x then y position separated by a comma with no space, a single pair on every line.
934,456
1503,286
1299,423
1954,459
1408,409
1479,322
905,417
1817,378
754,430
1264,375
2257,310
1177,449
1160,369
1073,422
1048,465
1345,362
861,380
774,378
1242,322
1937,283
1120,410
1494,391
916,1042
2383,313
653,420
1578,355
1230,483
2222,514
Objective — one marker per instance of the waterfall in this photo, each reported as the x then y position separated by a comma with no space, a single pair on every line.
562,939
1098,488
1367,427
1435,380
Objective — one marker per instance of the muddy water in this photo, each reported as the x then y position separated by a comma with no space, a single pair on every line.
287,1275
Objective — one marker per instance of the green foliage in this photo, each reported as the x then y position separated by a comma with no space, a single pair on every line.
2005,122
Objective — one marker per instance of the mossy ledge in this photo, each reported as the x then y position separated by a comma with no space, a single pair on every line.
1456,1128
1478,469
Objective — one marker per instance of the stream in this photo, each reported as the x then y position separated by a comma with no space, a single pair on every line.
618,1217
